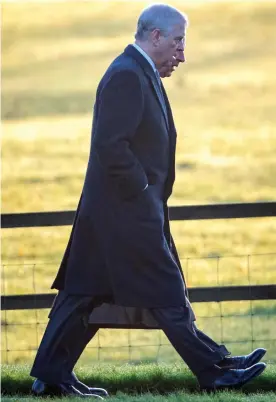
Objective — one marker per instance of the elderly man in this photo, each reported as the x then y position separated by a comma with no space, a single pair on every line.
121,251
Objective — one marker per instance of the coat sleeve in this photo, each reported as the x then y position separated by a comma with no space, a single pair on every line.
119,113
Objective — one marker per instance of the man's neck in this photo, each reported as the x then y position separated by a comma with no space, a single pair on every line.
146,49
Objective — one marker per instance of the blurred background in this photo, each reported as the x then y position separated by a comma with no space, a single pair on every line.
223,101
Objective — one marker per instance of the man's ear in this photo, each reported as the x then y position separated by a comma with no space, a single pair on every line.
155,36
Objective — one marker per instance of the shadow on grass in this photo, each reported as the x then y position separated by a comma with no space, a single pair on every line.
263,310
17,106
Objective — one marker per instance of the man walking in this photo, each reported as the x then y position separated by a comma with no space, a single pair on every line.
121,250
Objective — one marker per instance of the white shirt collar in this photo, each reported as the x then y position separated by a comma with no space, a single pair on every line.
143,53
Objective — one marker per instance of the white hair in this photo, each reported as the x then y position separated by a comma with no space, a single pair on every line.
158,16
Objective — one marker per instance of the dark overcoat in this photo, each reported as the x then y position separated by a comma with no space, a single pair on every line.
120,246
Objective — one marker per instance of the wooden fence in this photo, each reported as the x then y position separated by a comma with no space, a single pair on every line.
195,212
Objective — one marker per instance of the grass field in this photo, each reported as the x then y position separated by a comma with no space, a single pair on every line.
223,100
149,383
173,397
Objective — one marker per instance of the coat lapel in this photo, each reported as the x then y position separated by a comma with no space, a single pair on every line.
170,119
172,144
158,94
131,51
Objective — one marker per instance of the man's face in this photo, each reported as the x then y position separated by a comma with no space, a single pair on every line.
169,46
167,69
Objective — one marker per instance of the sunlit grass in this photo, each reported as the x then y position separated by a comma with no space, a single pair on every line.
143,383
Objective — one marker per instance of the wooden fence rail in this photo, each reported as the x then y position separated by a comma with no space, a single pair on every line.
192,212
201,294
189,212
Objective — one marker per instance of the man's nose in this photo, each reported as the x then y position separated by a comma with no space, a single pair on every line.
180,56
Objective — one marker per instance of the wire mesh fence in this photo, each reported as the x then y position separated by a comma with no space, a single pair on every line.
241,324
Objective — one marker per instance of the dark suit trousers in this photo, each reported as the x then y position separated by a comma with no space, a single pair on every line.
65,338
68,333
199,352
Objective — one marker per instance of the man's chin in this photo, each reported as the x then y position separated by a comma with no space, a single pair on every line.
166,75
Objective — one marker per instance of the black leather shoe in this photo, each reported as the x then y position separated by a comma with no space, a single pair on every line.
90,390
234,378
41,388
243,362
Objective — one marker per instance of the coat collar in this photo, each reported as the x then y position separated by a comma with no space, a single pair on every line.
148,70
146,56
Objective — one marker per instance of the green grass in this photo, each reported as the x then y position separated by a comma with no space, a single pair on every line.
174,397
223,100
150,380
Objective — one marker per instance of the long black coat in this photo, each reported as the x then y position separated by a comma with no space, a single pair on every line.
120,246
